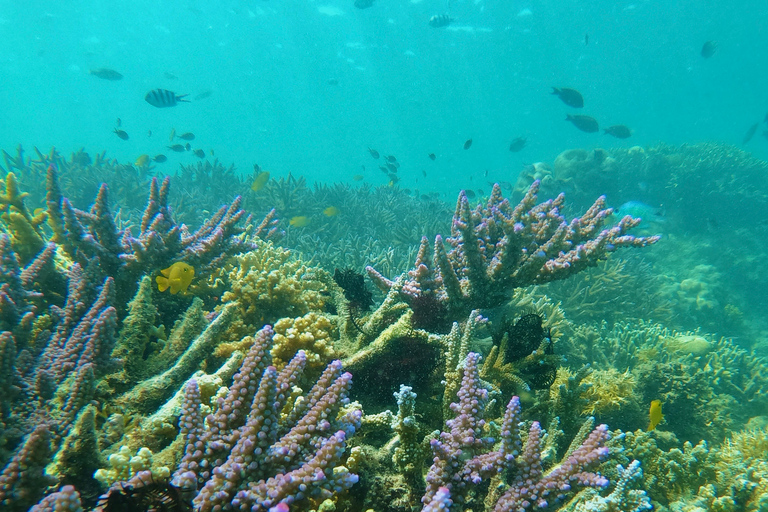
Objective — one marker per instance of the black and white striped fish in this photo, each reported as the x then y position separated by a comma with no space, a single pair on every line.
162,98
440,21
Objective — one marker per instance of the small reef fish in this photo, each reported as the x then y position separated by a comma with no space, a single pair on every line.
187,136
199,153
358,177
392,167
160,158
170,76
570,97
619,131
163,98
424,173
205,94
650,217
331,211
177,148
654,415
440,21
120,121
122,134
177,277
106,74
584,123
392,159
374,153
750,133
142,161
172,135
363,4
468,144
299,221
709,49
432,156
517,144
469,193
260,181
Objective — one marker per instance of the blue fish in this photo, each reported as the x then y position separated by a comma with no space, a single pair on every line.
162,98
650,215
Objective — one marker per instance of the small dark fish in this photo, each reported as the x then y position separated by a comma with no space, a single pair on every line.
505,185
480,192
391,159
391,167
160,158
619,131
205,94
586,39
584,123
432,156
363,4
170,76
440,21
424,173
470,193
177,148
468,144
517,144
383,169
374,153
188,146
106,74
149,133
570,97
162,98
332,81
119,122
199,153
750,133
122,134
187,136
708,49
485,174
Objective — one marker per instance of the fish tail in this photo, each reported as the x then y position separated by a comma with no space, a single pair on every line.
162,283
181,97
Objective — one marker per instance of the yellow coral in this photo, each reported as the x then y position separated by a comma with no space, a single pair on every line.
310,333
608,390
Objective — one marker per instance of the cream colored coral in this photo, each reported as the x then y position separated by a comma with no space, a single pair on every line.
123,466
311,333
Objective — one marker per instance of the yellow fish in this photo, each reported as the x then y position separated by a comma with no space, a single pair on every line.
177,277
173,134
655,416
142,161
299,221
331,211
261,179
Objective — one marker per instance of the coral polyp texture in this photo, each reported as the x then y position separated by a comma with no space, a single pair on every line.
496,248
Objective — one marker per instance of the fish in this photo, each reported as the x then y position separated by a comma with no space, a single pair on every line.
141,161
260,181
122,134
177,148
363,4
391,159
392,167
205,94
765,119
149,133
374,153
708,49
583,123
619,131
331,211
187,136
469,193
170,76
570,97
468,144
120,121
299,221
480,192
199,153
432,156
332,81
172,135
187,147
750,133
440,21
424,173
517,144
654,415
358,177
160,158
163,98
106,74
650,217
177,277
586,39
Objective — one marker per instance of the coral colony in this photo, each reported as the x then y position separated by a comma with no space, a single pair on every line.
234,391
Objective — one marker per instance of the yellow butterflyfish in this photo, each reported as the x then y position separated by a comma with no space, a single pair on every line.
331,211
177,277
261,179
654,414
299,221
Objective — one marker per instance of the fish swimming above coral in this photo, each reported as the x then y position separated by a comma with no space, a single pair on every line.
570,97
654,414
177,277
584,123
122,134
517,144
163,98
106,74
619,131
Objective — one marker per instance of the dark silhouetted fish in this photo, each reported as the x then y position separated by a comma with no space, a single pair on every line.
122,134
440,21
432,156
162,98
391,167
470,194
374,153
583,123
363,4
424,173
586,39
619,131
199,153
391,159
750,133
160,158
468,144
106,74
332,81
203,95
570,97
709,49
187,136
177,148
517,144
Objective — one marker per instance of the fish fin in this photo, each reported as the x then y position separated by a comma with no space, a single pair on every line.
162,283
166,272
181,97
